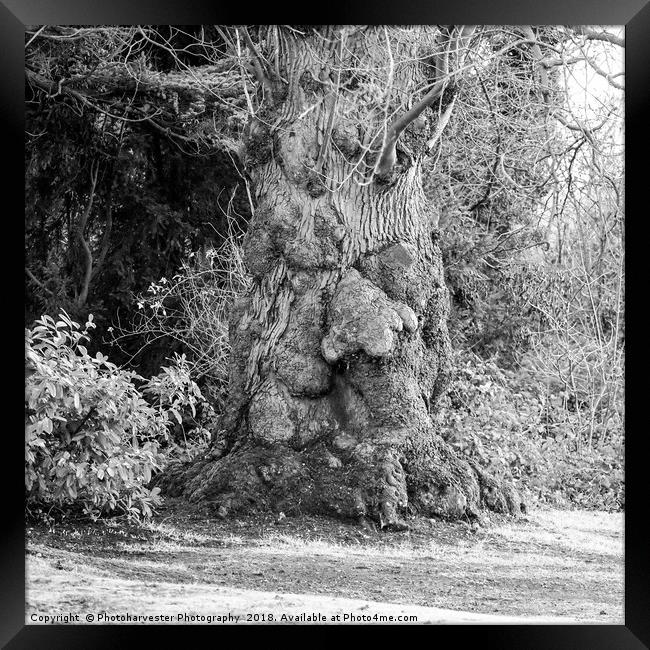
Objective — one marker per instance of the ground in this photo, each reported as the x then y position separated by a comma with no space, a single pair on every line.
548,564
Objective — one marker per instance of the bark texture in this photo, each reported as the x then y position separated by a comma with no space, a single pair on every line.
341,350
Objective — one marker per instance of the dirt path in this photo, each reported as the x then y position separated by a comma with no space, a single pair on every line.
552,564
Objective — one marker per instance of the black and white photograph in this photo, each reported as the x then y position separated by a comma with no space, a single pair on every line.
324,324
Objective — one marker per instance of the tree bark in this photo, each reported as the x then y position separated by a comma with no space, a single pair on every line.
340,352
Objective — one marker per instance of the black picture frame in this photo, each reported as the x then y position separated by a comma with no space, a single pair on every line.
634,14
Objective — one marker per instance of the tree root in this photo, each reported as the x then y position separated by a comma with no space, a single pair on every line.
372,483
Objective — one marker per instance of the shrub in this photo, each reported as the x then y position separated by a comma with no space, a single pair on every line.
177,397
518,427
91,439
192,310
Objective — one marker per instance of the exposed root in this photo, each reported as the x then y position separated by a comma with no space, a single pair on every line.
371,483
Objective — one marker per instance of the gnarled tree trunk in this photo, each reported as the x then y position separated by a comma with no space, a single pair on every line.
341,350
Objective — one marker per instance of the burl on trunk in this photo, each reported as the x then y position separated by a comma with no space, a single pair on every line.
341,349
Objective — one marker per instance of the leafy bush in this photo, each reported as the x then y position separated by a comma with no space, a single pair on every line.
91,440
517,427
177,397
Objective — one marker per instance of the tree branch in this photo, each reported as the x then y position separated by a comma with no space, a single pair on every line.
492,174
609,77
442,123
259,64
593,35
36,281
539,58
387,157
83,294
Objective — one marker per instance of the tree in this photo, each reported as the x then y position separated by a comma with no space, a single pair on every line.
341,349
117,192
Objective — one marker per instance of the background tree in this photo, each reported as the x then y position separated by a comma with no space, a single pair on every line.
121,185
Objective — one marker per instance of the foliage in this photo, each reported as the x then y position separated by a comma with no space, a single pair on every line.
175,395
529,184
112,201
92,440
516,426
491,305
192,310
532,238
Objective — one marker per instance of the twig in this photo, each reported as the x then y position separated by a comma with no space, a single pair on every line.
29,42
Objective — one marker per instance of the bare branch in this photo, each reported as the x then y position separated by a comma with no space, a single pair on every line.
578,125
441,124
36,34
259,63
83,294
387,156
606,75
593,35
